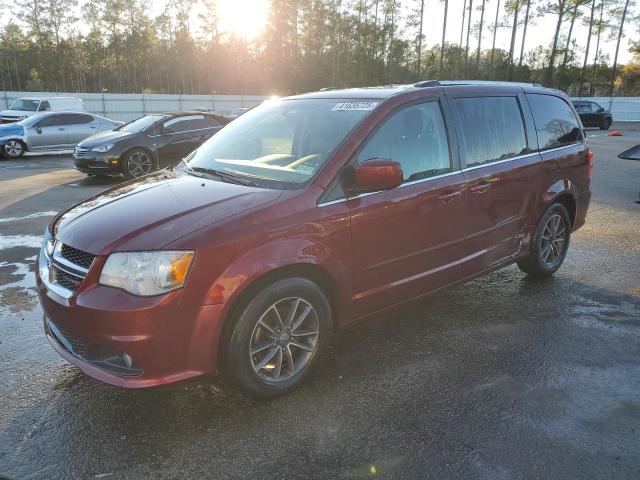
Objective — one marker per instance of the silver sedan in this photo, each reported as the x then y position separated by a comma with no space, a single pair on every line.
51,131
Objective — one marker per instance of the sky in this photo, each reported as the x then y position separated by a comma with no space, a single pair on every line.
246,18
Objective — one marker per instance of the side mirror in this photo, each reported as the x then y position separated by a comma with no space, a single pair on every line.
167,131
39,130
377,174
600,110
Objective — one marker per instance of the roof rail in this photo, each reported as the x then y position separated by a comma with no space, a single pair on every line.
443,83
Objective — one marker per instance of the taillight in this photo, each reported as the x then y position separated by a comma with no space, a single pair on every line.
590,161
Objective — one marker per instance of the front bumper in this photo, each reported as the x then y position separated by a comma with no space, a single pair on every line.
95,162
129,341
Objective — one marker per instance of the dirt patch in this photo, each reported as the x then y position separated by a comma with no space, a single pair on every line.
18,299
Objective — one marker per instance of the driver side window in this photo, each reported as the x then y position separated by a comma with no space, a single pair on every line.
416,138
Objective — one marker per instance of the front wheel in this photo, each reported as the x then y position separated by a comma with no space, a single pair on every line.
605,124
277,338
14,149
549,244
136,163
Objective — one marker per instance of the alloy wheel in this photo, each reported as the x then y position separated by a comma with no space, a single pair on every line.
554,239
13,148
138,164
284,340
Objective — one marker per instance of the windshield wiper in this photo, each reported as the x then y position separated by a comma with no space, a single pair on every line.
224,176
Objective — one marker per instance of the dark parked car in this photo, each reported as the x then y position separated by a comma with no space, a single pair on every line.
146,144
592,114
303,215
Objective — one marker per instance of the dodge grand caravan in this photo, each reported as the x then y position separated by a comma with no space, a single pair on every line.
304,214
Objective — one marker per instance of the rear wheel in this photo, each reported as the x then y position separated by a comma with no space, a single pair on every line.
14,149
277,338
136,163
549,243
605,124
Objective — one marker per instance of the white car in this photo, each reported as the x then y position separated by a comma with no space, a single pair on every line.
51,131
22,108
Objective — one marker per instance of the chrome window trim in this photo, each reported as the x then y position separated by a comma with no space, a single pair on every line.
366,194
497,162
186,131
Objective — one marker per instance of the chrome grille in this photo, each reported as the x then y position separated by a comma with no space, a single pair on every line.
76,256
66,268
80,151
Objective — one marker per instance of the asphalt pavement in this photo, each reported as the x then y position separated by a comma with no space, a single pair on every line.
502,378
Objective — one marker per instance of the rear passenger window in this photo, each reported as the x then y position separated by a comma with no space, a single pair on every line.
555,122
491,129
415,137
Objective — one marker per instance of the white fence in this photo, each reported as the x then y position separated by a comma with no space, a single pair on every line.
125,107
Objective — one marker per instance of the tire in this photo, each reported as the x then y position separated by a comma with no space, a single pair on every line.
605,124
546,256
260,357
14,149
136,163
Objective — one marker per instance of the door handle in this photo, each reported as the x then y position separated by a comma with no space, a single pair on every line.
61,129
449,197
483,185
94,127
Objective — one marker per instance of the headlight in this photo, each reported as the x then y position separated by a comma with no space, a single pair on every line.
103,148
146,273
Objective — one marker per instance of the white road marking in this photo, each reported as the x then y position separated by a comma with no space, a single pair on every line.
26,217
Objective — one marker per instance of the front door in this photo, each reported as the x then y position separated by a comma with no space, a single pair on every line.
502,171
177,137
49,133
409,240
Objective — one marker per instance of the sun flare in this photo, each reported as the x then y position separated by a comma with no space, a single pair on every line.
244,18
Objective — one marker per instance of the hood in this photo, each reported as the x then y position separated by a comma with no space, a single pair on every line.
104,137
17,113
11,130
153,211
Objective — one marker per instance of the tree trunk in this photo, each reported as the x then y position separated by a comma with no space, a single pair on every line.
444,32
420,37
495,30
514,30
586,53
466,49
464,13
524,33
595,57
552,57
480,36
615,57
574,14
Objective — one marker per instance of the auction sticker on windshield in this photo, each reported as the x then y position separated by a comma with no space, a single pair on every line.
349,106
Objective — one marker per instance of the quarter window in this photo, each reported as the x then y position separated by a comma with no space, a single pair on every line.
556,124
491,129
416,138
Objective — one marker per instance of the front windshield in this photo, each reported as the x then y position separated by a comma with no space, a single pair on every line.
140,124
281,141
25,105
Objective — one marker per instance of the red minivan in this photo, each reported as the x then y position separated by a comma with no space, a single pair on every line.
305,214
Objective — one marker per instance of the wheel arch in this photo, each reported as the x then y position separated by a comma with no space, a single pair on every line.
563,192
22,141
310,271
569,202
